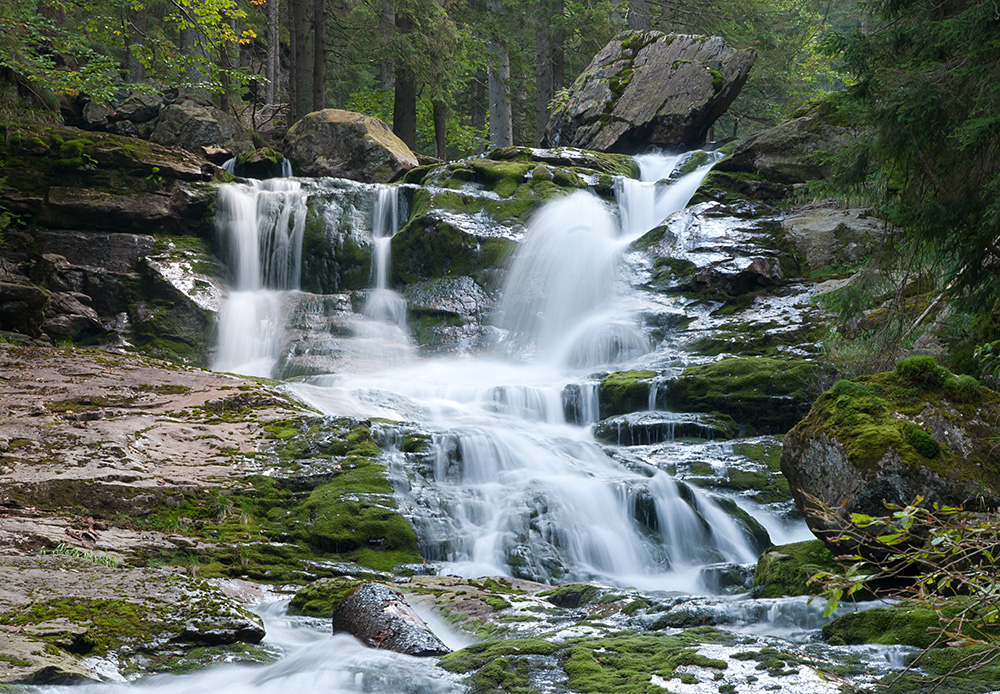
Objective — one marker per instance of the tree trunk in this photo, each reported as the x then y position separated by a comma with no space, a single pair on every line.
135,38
544,90
404,108
638,15
478,107
665,16
301,65
319,56
273,90
440,130
386,68
501,122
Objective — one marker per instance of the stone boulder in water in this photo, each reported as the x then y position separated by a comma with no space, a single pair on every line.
890,437
649,88
345,144
381,618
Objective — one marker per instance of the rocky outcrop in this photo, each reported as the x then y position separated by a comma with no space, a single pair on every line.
826,235
60,615
380,617
345,144
202,129
786,569
794,151
647,88
891,437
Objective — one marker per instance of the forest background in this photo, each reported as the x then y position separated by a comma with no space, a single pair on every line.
919,80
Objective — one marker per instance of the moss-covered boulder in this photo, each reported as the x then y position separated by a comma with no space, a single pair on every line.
467,214
770,395
64,615
650,88
887,626
786,569
345,144
66,178
265,162
794,151
625,391
916,431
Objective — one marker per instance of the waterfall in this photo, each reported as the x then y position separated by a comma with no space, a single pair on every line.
383,304
259,226
514,481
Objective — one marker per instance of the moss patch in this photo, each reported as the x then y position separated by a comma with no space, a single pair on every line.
786,569
770,395
875,414
625,391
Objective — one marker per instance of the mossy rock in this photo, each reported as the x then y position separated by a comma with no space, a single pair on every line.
886,626
265,162
621,392
786,569
770,395
320,598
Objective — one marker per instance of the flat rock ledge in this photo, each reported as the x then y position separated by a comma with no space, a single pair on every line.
66,619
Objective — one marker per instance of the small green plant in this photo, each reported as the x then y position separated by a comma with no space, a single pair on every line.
70,551
938,558
154,181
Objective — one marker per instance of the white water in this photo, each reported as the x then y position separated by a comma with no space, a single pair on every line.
513,488
260,226
383,304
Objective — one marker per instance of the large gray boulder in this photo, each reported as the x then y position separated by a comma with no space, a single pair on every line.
889,438
380,617
792,152
650,88
345,144
199,128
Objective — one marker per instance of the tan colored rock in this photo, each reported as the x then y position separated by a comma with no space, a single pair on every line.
345,144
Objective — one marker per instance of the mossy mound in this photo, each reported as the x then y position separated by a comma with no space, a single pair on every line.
915,627
329,500
265,162
915,431
320,598
768,394
443,237
786,569
625,391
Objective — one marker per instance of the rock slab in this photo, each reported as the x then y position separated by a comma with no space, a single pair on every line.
650,88
381,618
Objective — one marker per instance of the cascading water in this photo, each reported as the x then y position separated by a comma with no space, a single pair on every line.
259,225
513,485
383,304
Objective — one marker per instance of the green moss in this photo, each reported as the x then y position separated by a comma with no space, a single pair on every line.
717,79
874,414
624,391
786,569
269,529
495,601
768,488
320,598
884,625
110,623
572,595
625,663
477,655
770,395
